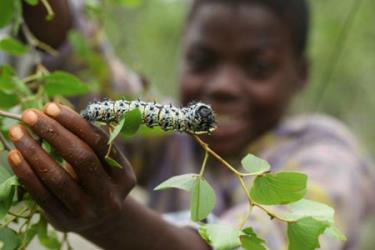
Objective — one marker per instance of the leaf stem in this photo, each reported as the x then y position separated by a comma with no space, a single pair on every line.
270,214
204,164
18,215
239,176
251,204
10,115
219,158
110,129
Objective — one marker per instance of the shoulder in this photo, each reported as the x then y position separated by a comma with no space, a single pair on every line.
314,139
318,128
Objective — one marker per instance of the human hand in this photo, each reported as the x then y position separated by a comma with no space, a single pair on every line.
91,199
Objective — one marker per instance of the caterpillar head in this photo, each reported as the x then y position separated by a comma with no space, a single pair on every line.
204,118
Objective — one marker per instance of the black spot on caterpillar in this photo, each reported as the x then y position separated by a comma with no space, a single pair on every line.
196,118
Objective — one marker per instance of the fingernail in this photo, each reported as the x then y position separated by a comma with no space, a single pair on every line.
52,109
29,117
15,157
16,133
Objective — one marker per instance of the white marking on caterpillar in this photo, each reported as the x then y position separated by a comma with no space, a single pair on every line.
196,118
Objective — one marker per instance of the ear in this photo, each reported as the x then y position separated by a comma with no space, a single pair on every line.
303,72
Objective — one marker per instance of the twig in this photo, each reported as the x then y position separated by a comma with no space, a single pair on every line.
18,215
220,159
239,176
4,142
204,163
337,51
251,205
270,214
10,115
50,12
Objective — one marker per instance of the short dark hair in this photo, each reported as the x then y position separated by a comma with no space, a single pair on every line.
294,13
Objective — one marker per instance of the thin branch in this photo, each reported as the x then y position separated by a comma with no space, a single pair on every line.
220,159
251,205
4,142
18,215
338,49
272,215
239,176
204,163
50,12
10,115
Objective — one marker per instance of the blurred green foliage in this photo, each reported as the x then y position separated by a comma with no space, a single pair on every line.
147,38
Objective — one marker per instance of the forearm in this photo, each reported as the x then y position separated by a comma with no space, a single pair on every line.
53,32
138,227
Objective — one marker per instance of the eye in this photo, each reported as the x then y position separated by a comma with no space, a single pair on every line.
260,69
200,59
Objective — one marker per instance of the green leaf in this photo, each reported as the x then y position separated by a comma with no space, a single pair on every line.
9,238
280,188
47,239
32,2
4,174
8,100
203,199
7,9
6,79
34,101
79,43
335,233
116,130
63,84
309,208
250,241
255,165
112,162
220,236
133,119
184,182
7,190
29,235
10,84
304,234
12,47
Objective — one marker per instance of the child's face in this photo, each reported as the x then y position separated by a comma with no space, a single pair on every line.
241,61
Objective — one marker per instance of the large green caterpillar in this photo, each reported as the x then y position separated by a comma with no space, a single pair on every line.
196,118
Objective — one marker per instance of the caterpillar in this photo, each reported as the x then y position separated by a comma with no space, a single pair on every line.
196,118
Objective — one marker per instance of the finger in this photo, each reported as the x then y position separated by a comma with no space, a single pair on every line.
53,176
77,153
41,195
94,137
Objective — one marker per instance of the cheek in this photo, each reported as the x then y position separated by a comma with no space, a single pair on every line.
191,87
271,97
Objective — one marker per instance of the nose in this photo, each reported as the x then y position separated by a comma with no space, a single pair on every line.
225,85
